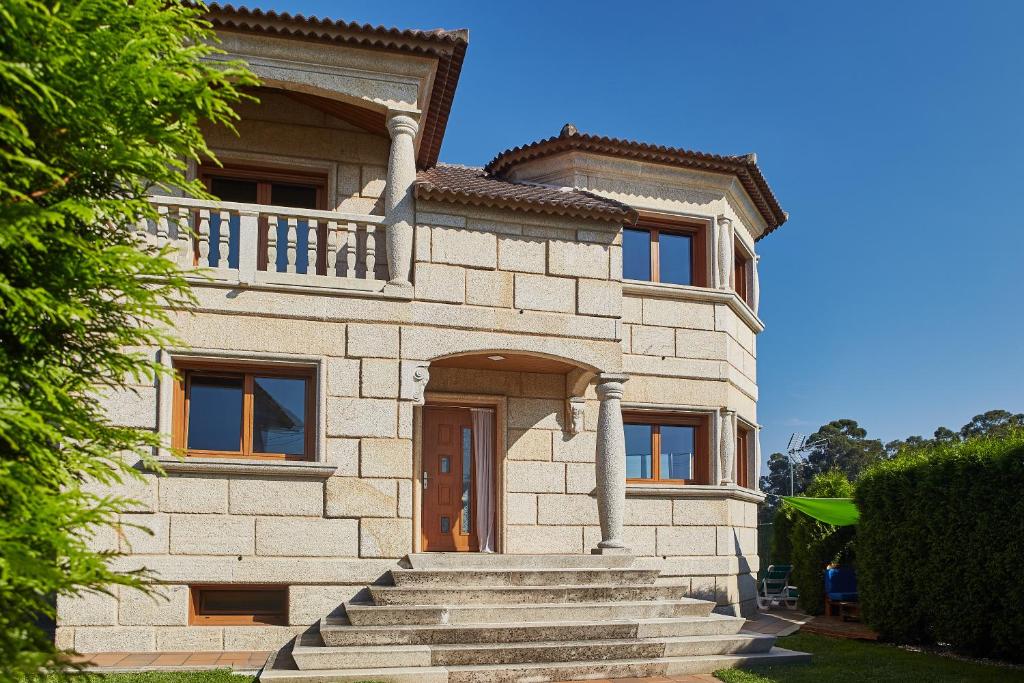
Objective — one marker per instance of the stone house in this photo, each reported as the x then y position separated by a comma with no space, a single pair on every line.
399,366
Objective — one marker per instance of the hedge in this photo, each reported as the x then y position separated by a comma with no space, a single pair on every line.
940,546
814,544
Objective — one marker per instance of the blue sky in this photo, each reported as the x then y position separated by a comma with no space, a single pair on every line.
890,131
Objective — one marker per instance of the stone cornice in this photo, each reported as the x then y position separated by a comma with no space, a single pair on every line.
694,491
249,468
660,290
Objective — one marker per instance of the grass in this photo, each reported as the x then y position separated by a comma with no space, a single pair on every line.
216,676
854,661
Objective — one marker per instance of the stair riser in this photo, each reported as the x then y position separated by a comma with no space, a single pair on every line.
504,596
524,578
498,614
347,636
527,655
706,665
514,562
715,627
327,659
564,672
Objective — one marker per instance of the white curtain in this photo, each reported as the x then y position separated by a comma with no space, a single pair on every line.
483,449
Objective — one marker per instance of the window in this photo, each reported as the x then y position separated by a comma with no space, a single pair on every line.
743,457
224,410
246,185
740,273
238,605
659,250
670,448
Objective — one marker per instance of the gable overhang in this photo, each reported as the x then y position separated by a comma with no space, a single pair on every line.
444,52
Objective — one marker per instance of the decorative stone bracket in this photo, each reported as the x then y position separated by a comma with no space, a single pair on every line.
414,377
575,410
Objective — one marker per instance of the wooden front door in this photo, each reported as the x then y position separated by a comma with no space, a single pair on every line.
447,479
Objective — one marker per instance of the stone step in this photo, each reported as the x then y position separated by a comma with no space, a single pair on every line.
508,562
501,595
537,672
310,657
523,577
336,635
367,614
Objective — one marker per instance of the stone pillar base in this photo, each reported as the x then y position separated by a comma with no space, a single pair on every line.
611,551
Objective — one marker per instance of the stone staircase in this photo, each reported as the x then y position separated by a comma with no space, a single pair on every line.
480,618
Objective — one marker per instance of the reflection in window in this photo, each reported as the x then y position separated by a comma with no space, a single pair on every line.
279,415
676,452
639,462
636,254
467,483
675,258
215,414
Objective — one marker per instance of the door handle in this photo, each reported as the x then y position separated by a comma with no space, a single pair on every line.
426,478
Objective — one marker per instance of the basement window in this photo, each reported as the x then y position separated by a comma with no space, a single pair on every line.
243,605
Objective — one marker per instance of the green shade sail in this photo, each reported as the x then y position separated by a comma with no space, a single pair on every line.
835,511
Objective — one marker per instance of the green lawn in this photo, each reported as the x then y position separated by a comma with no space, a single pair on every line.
853,661
217,676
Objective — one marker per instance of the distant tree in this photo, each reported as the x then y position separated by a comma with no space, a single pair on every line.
992,423
945,435
844,447
100,102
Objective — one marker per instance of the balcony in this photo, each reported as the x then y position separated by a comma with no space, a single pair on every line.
271,246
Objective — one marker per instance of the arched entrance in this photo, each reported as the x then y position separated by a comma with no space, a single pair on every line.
491,425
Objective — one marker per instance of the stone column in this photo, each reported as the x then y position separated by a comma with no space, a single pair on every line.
611,464
724,251
755,285
399,206
727,445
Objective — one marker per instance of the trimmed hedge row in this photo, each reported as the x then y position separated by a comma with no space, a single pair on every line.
940,546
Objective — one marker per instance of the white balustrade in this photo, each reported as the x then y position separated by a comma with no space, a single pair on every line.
269,245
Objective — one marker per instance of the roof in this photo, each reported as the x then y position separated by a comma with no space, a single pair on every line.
744,167
474,185
448,47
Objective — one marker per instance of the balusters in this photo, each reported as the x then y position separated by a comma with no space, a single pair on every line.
185,254
311,247
272,244
204,238
371,251
291,240
162,232
224,240
351,249
332,249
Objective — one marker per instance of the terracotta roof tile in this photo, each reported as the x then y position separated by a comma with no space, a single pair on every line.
744,167
470,185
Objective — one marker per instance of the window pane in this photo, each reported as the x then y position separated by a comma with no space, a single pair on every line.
231,190
677,452
242,601
215,413
636,254
297,196
467,473
279,415
675,258
639,463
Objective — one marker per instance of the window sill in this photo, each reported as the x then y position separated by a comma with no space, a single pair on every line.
694,491
662,290
249,467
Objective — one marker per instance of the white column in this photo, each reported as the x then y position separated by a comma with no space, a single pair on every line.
724,249
727,446
399,208
755,285
611,464
756,469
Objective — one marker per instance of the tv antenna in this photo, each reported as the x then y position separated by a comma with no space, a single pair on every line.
798,445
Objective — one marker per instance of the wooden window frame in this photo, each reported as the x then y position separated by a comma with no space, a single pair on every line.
195,618
701,445
696,230
741,272
264,177
743,435
248,371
